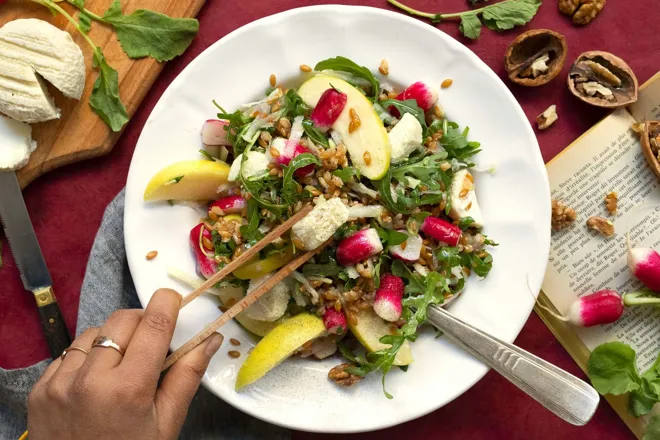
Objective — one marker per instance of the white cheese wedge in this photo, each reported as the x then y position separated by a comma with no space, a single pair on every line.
16,144
464,199
256,163
30,50
405,137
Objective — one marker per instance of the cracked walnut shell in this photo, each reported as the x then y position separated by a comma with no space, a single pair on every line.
582,11
562,216
602,225
650,140
340,376
602,79
535,57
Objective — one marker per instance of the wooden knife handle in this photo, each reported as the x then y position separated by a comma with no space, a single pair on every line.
52,321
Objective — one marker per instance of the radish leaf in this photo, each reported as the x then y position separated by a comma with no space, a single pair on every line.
652,429
612,369
105,94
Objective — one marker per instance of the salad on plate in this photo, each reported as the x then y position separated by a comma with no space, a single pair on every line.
394,208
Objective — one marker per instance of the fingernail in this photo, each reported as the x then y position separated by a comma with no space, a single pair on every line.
213,345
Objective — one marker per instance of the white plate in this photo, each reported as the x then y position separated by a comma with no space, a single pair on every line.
515,201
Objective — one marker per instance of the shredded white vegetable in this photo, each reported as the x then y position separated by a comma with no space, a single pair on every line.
361,211
363,189
305,283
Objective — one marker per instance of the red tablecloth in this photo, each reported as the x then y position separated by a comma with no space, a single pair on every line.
66,208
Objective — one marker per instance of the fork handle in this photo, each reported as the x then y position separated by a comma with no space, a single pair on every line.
562,393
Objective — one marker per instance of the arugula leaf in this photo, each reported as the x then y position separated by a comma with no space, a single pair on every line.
612,369
652,429
105,94
289,185
314,133
345,230
470,26
148,33
346,352
378,268
480,265
465,223
294,105
322,270
343,64
250,232
455,142
407,106
238,125
255,185
415,282
345,174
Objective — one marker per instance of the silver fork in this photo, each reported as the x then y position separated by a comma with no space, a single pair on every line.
562,393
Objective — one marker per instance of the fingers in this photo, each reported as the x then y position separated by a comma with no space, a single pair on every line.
120,328
180,385
148,348
74,358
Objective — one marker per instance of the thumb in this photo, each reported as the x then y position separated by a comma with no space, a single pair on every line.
180,385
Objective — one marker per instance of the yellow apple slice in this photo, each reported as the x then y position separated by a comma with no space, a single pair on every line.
370,328
370,137
188,180
278,345
256,268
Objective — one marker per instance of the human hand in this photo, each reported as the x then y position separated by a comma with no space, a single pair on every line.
107,395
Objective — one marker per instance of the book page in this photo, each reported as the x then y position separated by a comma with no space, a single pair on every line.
647,107
607,158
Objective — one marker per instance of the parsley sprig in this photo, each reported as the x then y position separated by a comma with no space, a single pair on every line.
497,17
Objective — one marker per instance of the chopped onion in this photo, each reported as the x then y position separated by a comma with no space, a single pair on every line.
305,283
313,148
457,271
395,195
423,271
363,189
352,272
361,211
297,131
255,126
336,137
456,165
412,182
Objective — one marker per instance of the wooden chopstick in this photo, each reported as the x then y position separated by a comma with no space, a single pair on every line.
247,255
240,306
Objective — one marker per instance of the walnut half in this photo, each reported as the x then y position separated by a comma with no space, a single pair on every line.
602,225
650,140
562,216
535,57
582,11
340,376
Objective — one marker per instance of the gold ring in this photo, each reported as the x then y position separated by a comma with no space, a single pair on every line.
104,341
72,348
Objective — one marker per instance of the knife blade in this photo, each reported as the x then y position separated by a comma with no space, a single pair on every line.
30,261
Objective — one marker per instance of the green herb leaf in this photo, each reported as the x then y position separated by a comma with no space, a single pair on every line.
346,352
322,270
480,265
84,19
642,400
465,223
345,174
148,33
407,106
612,369
250,232
343,64
508,14
294,105
105,94
316,135
289,185
345,230
415,283
470,26
652,429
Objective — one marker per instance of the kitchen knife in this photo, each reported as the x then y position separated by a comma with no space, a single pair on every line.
30,262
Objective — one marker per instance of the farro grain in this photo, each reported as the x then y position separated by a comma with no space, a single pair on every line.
305,68
234,342
234,354
447,83
153,254
273,80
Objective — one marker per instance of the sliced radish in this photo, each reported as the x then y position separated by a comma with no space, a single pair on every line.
286,154
335,321
409,250
425,94
328,109
229,204
206,265
214,132
441,230
359,246
387,301
644,263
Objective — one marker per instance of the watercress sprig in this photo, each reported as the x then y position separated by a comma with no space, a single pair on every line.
497,17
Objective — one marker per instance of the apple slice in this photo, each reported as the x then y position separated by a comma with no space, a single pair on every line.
278,345
188,180
370,328
370,137
256,268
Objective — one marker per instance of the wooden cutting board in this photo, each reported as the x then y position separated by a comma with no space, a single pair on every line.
80,134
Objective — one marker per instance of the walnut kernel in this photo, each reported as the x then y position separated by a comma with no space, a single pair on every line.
602,225
562,216
611,202
547,118
340,376
582,11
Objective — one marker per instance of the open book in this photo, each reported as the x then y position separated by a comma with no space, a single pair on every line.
606,158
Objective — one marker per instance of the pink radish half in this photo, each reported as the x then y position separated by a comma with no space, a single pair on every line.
424,94
229,204
441,230
334,321
287,153
206,265
387,301
644,263
603,307
409,250
328,109
358,247
214,132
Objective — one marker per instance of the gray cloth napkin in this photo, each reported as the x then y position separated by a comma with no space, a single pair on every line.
107,287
